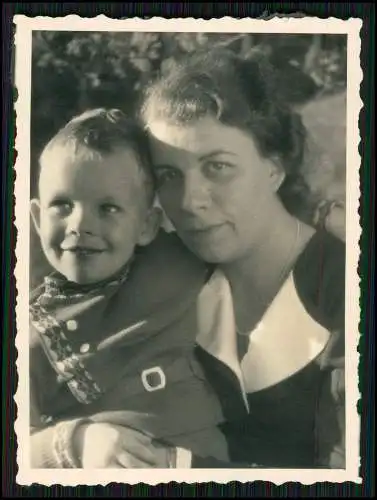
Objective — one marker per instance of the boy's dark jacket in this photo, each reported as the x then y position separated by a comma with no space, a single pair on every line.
131,338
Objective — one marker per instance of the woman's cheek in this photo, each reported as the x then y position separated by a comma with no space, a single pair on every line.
228,194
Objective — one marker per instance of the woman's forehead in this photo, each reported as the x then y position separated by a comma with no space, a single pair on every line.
199,137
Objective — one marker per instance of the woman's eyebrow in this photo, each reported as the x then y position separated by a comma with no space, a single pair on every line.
215,153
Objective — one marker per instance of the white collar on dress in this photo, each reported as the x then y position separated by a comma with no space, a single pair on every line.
286,340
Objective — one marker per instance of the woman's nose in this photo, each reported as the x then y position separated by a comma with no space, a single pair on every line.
195,195
81,220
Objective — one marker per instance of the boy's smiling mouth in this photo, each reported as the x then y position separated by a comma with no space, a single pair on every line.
83,250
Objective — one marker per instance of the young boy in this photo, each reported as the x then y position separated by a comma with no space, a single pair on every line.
107,335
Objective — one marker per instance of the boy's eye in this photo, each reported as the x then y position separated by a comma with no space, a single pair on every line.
164,175
109,208
62,207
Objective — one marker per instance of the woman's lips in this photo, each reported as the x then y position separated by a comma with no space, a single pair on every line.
203,229
205,232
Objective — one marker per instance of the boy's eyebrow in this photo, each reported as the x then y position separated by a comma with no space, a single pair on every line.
57,196
108,199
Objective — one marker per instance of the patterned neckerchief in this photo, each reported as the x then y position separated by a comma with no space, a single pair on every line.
58,290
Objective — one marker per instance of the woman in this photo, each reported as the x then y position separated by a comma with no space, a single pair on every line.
228,160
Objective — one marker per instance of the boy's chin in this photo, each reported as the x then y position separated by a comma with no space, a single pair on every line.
87,279
80,278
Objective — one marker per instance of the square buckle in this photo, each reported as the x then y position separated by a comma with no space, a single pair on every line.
155,370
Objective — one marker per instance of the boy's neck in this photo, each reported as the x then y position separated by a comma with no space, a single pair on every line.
58,280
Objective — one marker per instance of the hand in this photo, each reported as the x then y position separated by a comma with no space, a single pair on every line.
335,222
102,445
331,216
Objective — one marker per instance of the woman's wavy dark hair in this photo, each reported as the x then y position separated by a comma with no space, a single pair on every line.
238,92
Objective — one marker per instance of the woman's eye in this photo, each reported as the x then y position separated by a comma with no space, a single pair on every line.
109,208
218,166
165,175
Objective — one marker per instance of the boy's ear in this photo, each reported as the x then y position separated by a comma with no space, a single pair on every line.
35,210
151,226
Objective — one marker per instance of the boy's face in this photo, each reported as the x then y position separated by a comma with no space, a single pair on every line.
92,213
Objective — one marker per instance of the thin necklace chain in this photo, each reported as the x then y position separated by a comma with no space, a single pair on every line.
284,270
288,263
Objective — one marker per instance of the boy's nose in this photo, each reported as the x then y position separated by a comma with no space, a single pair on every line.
81,220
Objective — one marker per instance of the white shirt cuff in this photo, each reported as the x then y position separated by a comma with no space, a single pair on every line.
183,458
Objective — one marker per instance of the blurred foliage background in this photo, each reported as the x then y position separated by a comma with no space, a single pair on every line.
74,71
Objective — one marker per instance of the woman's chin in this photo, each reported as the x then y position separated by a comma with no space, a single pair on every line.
213,254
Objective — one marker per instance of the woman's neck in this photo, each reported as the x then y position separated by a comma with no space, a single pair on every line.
260,274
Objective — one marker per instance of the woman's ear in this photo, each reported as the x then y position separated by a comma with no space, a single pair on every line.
151,226
277,174
35,211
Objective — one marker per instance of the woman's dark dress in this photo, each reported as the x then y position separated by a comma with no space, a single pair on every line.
298,422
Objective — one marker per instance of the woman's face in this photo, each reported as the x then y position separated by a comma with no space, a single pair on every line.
214,186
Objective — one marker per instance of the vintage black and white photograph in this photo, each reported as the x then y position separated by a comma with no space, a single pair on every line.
187,215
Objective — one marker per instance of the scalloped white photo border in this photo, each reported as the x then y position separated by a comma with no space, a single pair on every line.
299,25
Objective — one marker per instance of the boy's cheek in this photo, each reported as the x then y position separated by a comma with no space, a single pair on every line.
122,236
51,235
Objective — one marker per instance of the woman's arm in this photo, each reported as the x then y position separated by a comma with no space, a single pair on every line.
52,446
58,447
82,443
50,443
330,417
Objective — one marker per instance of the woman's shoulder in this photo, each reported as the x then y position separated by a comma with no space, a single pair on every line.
319,277
323,250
